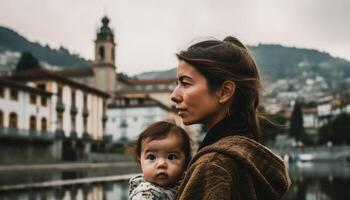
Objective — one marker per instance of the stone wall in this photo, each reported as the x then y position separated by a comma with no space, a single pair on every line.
29,152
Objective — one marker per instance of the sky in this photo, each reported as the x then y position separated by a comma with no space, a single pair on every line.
148,33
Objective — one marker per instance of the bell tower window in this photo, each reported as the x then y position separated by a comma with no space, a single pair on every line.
101,53
113,56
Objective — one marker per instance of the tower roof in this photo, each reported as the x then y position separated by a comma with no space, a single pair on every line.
105,33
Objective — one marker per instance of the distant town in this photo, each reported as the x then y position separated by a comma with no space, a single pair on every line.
92,113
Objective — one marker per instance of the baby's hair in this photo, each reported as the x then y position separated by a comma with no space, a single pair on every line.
161,130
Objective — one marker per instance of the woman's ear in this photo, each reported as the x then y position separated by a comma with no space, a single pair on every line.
227,90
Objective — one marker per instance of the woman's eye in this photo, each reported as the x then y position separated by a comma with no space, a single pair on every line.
150,157
184,84
172,157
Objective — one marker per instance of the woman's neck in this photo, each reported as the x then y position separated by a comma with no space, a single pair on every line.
225,127
216,119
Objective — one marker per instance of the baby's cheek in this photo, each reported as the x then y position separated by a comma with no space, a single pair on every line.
177,167
148,172
147,166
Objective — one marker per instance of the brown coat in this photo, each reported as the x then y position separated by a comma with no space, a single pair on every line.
235,167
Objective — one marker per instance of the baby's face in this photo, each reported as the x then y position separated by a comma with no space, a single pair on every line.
162,160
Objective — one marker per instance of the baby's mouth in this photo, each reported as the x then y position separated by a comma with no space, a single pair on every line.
162,175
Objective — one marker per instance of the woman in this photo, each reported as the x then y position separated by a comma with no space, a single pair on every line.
219,86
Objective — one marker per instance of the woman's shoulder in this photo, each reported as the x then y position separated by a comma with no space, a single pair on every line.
214,158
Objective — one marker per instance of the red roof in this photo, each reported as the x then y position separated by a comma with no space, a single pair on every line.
16,85
76,71
143,101
42,74
151,82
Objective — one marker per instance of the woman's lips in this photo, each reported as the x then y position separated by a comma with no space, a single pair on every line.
181,112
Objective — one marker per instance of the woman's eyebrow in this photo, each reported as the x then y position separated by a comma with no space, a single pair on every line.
184,77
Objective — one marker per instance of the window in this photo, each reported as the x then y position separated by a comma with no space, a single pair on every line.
14,95
1,119
133,102
32,123
138,87
13,120
43,124
85,124
104,106
60,121
101,53
2,92
85,100
41,86
149,87
73,97
113,54
73,122
123,124
43,101
162,87
59,93
33,99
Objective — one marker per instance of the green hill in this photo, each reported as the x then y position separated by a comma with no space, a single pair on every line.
280,62
275,61
12,41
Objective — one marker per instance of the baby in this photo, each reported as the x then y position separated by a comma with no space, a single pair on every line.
163,151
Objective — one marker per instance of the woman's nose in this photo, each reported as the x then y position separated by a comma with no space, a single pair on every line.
175,96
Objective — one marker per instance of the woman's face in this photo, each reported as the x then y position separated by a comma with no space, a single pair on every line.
194,102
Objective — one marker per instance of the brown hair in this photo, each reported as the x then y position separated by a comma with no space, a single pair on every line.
161,130
219,61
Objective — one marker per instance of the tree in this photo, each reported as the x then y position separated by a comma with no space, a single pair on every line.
296,123
26,62
271,126
337,130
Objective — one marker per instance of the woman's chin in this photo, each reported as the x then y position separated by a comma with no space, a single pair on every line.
188,122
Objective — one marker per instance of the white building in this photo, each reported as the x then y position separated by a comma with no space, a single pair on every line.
75,110
24,110
127,116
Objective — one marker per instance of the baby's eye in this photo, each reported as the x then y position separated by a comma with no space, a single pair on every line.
150,157
172,157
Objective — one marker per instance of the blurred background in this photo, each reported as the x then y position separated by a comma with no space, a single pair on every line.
80,80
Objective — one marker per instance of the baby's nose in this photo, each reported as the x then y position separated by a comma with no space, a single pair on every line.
162,163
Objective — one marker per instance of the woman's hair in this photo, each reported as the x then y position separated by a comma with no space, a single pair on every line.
160,130
219,61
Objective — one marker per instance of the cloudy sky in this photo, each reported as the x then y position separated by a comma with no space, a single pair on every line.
149,32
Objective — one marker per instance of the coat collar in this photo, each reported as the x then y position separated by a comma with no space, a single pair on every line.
224,128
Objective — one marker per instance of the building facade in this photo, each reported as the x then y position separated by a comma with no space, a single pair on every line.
127,116
66,117
76,110
24,108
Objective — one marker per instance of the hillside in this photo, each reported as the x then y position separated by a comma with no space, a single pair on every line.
279,62
11,43
275,61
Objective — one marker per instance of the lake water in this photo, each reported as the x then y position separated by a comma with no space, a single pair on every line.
311,181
